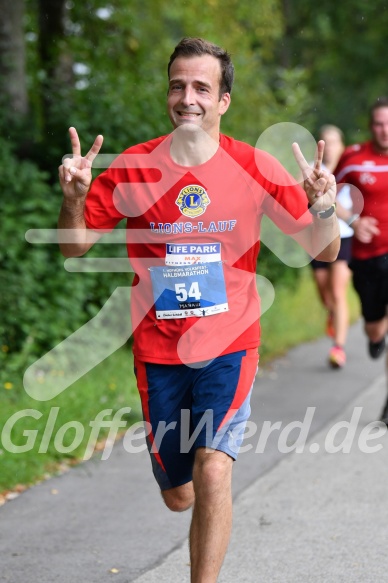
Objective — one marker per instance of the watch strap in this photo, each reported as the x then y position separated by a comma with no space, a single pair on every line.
325,214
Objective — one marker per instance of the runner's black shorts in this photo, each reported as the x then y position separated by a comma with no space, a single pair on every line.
345,254
370,280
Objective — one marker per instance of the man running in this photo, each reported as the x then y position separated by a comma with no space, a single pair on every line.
365,166
193,201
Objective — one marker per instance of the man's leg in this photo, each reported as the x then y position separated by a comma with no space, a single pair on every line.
321,276
339,279
212,514
371,284
376,330
384,411
224,387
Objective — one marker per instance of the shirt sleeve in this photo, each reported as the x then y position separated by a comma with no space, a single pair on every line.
100,209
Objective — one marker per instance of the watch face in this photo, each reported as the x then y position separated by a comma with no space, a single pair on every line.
325,214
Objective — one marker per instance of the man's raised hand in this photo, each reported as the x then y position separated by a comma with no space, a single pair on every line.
319,185
75,174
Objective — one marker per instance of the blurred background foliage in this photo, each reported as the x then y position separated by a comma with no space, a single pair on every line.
100,65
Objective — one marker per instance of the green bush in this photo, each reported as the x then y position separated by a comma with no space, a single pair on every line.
41,303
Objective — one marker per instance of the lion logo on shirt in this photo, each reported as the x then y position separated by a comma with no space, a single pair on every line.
192,200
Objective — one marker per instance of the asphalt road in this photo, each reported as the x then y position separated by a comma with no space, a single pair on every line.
314,515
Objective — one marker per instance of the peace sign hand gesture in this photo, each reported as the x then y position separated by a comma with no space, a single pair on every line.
75,174
319,185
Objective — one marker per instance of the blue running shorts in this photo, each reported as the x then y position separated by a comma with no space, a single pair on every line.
186,407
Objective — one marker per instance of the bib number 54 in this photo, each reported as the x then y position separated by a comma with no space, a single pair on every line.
182,294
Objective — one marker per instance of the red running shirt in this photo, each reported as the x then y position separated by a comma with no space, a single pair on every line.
216,205
361,166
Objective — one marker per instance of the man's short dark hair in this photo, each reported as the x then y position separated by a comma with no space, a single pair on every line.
196,47
380,102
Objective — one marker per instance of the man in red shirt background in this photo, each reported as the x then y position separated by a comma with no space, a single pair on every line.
365,166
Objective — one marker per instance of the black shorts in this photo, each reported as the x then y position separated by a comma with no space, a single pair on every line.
345,254
370,280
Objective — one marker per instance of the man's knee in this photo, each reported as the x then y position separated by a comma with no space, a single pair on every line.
179,499
212,468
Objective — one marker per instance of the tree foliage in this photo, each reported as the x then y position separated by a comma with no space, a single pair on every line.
104,70
342,45
40,302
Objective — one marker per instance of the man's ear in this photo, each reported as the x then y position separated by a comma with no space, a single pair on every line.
224,103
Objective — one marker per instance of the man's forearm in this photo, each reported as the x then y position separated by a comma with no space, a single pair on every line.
321,239
325,238
74,237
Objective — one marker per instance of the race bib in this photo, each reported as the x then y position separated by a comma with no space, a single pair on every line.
189,290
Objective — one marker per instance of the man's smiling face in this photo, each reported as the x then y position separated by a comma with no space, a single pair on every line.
194,93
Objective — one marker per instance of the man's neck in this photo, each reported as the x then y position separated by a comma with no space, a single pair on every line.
192,146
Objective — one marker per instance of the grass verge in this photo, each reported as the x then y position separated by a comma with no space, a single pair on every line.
38,437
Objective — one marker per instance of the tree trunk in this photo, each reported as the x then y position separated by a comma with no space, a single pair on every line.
285,58
12,58
58,80
56,62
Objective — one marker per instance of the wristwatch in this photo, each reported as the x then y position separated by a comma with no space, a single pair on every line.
322,214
